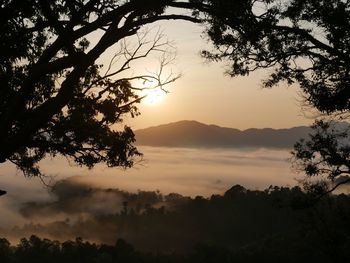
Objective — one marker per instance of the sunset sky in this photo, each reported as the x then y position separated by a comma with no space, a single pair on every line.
205,94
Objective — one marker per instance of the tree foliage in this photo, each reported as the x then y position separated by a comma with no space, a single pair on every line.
324,157
55,98
305,42
300,42
273,225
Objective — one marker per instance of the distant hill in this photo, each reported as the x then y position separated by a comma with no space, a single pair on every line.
199,135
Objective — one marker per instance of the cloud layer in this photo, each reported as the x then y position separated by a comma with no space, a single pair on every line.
82,194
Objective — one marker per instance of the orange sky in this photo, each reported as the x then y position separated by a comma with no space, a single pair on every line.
205,94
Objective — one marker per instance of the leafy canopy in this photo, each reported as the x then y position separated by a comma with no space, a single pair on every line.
304,42
54,97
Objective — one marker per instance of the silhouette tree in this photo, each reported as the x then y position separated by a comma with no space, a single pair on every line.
55,98
241,225
325,158
304,42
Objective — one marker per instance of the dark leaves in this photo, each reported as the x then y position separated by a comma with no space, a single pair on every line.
305,42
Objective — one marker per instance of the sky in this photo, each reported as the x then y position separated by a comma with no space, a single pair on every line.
204,93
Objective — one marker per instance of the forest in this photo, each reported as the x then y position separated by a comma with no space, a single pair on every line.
279,224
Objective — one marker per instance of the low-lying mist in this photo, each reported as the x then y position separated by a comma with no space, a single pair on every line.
244,221
79,195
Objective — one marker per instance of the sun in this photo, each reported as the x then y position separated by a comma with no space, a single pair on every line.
154,96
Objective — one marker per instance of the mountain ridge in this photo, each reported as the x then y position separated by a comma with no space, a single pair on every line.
190,133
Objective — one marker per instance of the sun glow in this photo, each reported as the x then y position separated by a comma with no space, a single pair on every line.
153,96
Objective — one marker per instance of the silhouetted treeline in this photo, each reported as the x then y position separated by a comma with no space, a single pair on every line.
278,224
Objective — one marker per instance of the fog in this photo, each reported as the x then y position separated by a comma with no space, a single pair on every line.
189,172
182,170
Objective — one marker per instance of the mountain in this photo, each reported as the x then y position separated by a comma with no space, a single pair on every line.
196,134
